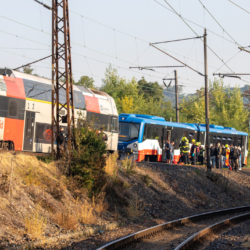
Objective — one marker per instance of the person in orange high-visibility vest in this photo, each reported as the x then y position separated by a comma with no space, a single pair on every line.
227,154
48,134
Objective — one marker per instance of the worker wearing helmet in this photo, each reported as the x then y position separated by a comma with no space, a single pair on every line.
184,148
193,152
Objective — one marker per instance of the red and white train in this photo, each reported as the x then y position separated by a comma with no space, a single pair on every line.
25,111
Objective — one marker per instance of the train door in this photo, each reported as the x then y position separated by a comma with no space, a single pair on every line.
29,131
166,136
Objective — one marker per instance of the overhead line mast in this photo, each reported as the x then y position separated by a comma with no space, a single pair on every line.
62,78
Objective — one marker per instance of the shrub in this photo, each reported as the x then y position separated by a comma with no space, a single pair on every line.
85,213
66,219
88,160
129,165
133,208
35,225
99,203
147,180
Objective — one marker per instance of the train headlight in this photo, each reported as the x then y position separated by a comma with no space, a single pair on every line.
135,145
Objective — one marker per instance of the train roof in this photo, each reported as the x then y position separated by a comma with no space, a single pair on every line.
220,129
138,118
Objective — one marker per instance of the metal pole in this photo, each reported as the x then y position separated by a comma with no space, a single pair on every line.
206,102
176,96
53,76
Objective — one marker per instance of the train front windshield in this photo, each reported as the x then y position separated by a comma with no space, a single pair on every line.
128,131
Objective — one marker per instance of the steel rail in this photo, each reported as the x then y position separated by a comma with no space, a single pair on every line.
137,237
197,238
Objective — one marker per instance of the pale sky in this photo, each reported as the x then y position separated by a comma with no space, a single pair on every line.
118,31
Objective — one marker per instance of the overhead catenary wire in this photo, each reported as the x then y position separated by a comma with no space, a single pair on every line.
217,21
239,6
198,25
197,34
85,45
89,48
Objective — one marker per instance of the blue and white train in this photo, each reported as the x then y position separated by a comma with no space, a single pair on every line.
146,136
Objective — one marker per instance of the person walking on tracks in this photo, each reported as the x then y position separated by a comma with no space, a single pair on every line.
234,158
193,152
184,147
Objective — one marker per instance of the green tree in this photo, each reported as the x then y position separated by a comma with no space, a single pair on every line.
150,89
225,104
28,70
86,81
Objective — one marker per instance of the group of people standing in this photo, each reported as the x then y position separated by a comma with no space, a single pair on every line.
196,152
225,156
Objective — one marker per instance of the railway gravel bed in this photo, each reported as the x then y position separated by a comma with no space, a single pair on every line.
187,191
171,238
237,238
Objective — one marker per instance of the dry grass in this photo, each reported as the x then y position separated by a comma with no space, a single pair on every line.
149,176
175,186
111,167
133,209
201,195
99,203
66,219
85,214
129,165
35,225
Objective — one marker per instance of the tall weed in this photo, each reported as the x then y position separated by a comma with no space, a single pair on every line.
35,225
129,165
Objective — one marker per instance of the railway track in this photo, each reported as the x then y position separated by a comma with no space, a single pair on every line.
185,233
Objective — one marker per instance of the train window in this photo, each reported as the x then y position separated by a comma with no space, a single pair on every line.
114,125
40,93
76,100
43,133
98,120
239,142
128,131
224,138
62,96
202,138
13,108
29,89
79,100
149,133
190,137
48,93
155,133
218,137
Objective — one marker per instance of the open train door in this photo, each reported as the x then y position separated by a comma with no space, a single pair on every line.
166,136
29,131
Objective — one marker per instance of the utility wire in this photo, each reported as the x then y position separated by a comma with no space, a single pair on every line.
217,21
197,35
239,6
86,46
198,25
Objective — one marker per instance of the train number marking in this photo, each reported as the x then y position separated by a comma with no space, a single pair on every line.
1,125
33,106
